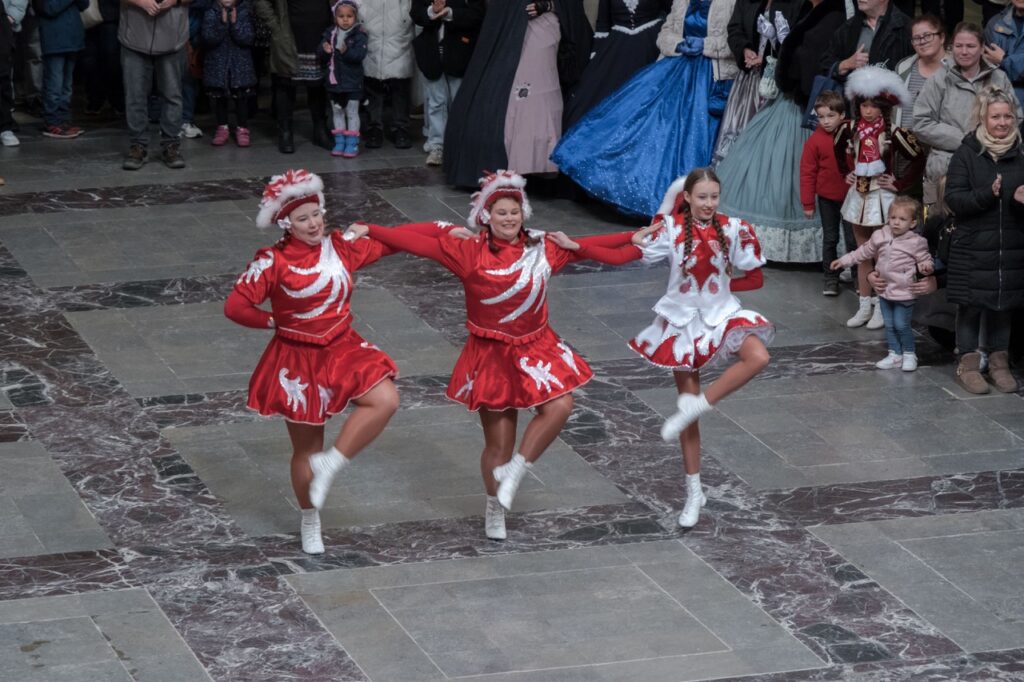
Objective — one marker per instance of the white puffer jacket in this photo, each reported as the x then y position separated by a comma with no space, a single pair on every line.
390,31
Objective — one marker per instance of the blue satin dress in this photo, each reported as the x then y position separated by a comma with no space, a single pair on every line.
655,128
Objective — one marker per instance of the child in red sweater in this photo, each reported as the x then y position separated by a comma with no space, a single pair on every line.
820,177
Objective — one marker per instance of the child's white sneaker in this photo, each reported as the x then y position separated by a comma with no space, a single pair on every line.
876,321
846,275
909,362
891,361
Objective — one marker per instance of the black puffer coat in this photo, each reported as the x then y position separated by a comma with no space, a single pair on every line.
801,52
986,255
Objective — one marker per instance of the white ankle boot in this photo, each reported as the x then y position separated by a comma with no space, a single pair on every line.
508,477
689,407
325,466
695,500
494,520
876,321
863,313
312,542
909,362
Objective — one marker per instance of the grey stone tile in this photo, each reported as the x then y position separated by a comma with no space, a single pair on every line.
22,450
439,477
606,613
19,544
49,511
52,643
958,571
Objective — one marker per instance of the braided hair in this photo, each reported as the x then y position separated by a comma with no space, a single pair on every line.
682,206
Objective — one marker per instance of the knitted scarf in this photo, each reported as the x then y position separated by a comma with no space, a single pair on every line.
996,147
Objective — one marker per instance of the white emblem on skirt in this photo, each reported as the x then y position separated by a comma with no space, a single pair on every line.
325,398
466,387
567,356
294,390
540,373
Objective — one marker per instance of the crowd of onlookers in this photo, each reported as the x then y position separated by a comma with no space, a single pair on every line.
150,60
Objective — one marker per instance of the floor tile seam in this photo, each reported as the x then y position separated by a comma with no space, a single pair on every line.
625,563
923,458
934,571
110,645
408,634
905,605
993,531
606,664
691,614
326,630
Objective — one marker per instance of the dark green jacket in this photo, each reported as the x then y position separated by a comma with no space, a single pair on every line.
284,59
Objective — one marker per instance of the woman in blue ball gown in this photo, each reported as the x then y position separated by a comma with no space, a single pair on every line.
659,125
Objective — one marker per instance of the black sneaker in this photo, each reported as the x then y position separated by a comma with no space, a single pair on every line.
402,139
831,287
374,138
136,158
171,156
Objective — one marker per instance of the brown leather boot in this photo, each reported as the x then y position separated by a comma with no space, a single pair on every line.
999,372
968,374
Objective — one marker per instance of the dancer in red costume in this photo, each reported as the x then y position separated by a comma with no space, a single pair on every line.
699,323
513,360
316,364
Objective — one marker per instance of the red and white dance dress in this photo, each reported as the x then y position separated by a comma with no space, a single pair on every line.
316,363
512,359
699,322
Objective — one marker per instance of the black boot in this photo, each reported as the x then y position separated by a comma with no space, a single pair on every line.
318,112
285,138
284,102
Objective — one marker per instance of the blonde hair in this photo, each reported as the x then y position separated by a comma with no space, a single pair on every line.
988,96
902,201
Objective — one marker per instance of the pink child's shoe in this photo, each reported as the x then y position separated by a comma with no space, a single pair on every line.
242,137
220,136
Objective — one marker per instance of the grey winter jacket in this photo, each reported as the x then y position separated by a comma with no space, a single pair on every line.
942,112
16,10
165,33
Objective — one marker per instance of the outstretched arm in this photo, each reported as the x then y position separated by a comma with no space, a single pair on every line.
613,249
406,238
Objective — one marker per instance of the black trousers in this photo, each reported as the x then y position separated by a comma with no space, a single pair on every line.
831,223
399,88
219,100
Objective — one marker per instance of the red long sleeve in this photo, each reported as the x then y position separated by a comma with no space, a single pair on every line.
612,249
241,310
406,238
753,279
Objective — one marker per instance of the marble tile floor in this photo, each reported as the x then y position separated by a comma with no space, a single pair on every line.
861,525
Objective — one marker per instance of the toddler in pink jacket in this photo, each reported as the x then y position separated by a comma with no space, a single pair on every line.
901,257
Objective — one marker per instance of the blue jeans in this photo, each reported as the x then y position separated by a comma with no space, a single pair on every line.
58,70
898,333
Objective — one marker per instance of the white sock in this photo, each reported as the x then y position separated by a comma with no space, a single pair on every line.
339,116
352,113
335,459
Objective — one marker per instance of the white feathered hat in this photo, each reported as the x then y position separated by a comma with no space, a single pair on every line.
874,82
504,184
286,192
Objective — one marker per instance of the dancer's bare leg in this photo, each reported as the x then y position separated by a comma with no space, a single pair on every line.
752,357
307,439
689,439
374,410
544,428
499,442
